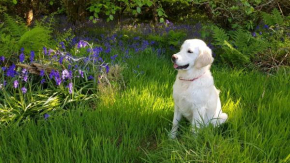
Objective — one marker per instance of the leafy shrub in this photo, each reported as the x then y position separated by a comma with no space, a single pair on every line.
266,47
235,13
15,35
171,38
238,47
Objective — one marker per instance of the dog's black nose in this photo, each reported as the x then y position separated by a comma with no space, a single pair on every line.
174,58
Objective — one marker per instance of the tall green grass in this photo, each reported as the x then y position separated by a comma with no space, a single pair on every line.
131,124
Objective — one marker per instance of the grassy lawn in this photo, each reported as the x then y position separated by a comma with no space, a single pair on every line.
131,124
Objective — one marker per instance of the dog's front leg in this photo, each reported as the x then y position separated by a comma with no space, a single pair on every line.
198,119
176,118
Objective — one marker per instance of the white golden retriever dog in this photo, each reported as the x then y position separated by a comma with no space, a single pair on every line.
195,96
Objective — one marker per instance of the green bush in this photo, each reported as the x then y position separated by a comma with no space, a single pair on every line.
15,35
267,47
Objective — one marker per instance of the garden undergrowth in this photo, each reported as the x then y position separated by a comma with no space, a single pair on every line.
132,125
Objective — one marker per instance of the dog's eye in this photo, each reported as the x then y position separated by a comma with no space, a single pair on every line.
189,51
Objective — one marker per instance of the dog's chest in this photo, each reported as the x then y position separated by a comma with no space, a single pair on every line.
187,96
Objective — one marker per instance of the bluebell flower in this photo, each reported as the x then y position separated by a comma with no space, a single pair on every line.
114,57
42,81
22,49
51,74
11,71
57,80
21,57
107,68
46,116
2,58
3,68
32,54
61,60
260,33
254,34
70,87
24,90
90,77
62,45
108,50
15,83
266,26
65,74
81,44
42,73
45,50
81,73
25,77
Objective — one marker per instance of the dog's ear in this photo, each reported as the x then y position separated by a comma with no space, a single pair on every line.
204,58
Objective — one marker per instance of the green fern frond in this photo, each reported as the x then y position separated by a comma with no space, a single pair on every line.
16,27
275,18
219,35
35,39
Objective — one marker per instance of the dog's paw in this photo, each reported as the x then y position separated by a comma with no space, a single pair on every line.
172,135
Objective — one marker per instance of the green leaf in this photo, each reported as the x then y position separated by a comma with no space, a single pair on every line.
111,17
160,13
149,3
14,2
161,20
138,10
51,3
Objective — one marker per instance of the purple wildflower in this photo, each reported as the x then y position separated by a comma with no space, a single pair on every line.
81,44
254,34
11,72
21,57
81,73
15,83
46,116
266,26
101,60
24,90
70,87
90,77
114,57
107,68
45,50
57,80
62,45
25,77
3,68
22,49
61,60
65,74
2,58
51,74
41,73
42,81
32,55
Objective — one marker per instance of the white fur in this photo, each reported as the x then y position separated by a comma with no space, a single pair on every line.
198,101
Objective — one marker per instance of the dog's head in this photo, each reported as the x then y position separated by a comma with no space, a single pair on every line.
193,53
